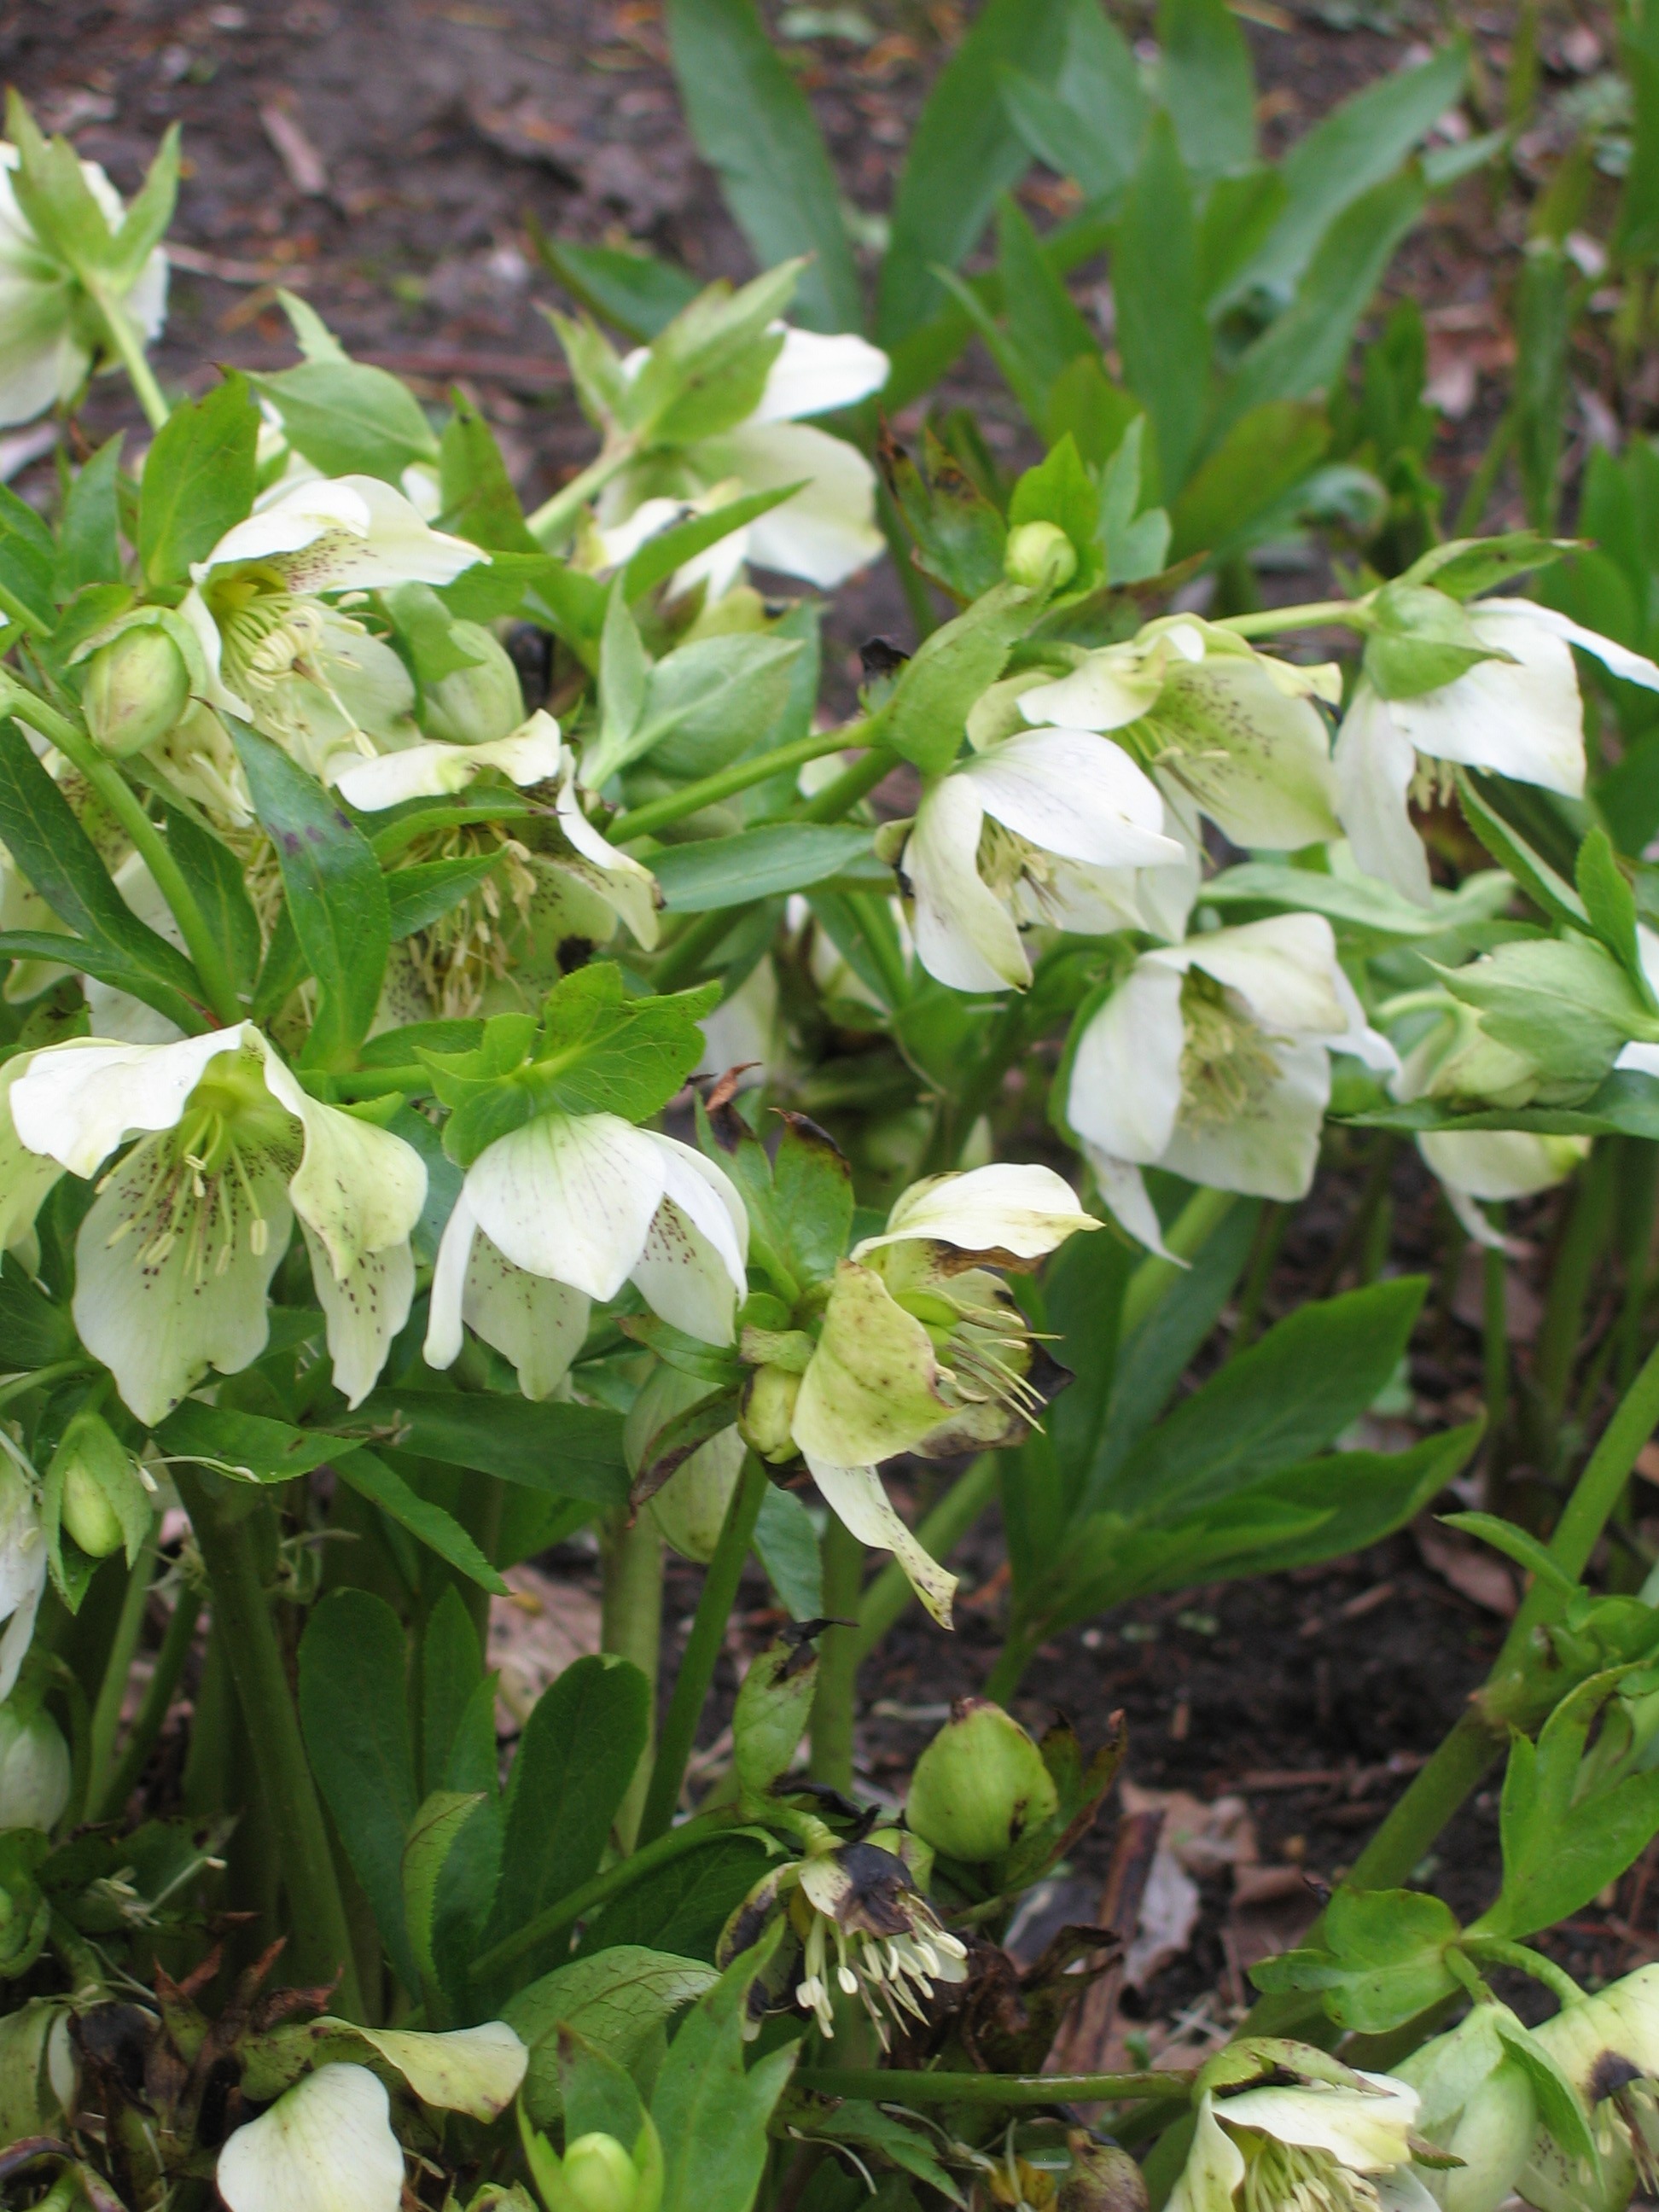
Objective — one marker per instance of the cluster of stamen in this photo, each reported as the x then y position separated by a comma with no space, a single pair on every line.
1281,2176
200,1180
888,1974
1433,785
1227,1064
1020,874
465,951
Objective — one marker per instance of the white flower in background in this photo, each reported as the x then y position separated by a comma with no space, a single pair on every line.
174,1258
50,332
920,1350
568,1208
302,669
824,534
1316,2147
1222,727
1521,718
1213,1059
22,1562
1047,826
326,2145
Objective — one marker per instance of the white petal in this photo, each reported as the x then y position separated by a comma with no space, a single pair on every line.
1074,793
537,1324
814,374
532,755
78,1100
1215,2167
1357,1036
855,1497
1123,1192
363,1310
1126,1073
18,1631
626,885
1367,2132
1634,667
1256,762
159,1325
570,1196
1500,1163
1375,762
326,2146
468,2069
445,1308
1026,1210
1525,720
1284,968
25,1176
1475,1224
691,1271
828,531
964,934
1111,689
337,532
357,1185
1272,1149
214,690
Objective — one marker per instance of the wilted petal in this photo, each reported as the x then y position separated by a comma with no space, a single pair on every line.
76,1101
1125,1089
1025,1210
475,2070
1375,762
326,2146
816,373
871,1388
964,934
855,1497
569,1196
1368,2130
828,531
1072,793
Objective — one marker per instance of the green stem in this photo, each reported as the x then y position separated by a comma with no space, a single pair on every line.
320,1945
938,1532
152,1714
1269,622
631,1627
112,1689
1495,1354
1019,1651
720,1591
842,796
685,958
128,809
554,516
690,1836
842,1558
1498,1951
1639,1200
1155,1277
40,1378
1269,1239
877,2083
125,338
709,790
1576,1254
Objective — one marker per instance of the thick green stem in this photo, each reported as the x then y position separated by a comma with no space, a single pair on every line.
630,1626
111,1691
709,790
1585,1233
852,785
124,803
130,346
685,958
1155,1277
553,518
152,1714
1270,622
938,1532
1638,1201
720,1591
1498,1951
1495,1359
842,1557
321,1944
1269,1237
913,2089
40,1378
1015,1656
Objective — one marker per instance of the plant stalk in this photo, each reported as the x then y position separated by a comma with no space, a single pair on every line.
553,518
842,1556
112,1689
1155,1276
720,1591
630,1626
928,2088
125,338
1269,622
709,790
321,1946
152,1714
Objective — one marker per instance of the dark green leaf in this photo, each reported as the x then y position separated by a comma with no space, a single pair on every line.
619,2001
636,292
198,479
786,1545
1265,454
560,1450
659,557
249,1443
711,2111
350,419
782,856
479,502
90,546
438,1530
451,1671
1162,332
417,895
928,715
812,1187
683,1906
1208,85
217,885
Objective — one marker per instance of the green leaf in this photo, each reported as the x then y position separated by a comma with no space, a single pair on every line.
711,2112
251,1445
812,1187
634,291
558,1451
1563,1000
1547,889
1208,85
1515,1544
438,1530
958,534
350,419
1611,904
1624,1104
1162,332
1238,215
962,153
1562,1846
1061,490
433,1834
219,887
29,566
451,1672
1385,1963
89,540
1359,904
599,2095
782,856
659,557
753,126
928,715
619,2001
1039,312
1465,567
416,897
786,1545
35,1331
354,1712
479,502
335,893
682,1907
198,480
1262,457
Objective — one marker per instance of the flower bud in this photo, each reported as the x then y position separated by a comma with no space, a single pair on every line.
136,688
1478,2103
34,1770
768,1409
600,2175
1102,2178
478,704
1040,556
980,1785
101,1498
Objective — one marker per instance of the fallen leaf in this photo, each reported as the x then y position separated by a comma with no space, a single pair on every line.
541,1627
1473,1570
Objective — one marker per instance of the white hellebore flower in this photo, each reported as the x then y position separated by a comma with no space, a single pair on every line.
303,671
22,1565
568,1208
1608,2046
824,533
174,1258
1213,1059
1316,2147
1221,727
1522,717
1044,826
326,2145
50,332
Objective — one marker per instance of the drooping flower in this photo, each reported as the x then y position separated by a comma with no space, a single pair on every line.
1520,716
1310,2146
1221,726
565,1210
326,2145
277,652
921,1348
174,1257
824,533
1045,826
1478,2103
1213,1059
1608,2046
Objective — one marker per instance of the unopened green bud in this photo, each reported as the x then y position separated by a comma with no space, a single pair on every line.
1478,2104
34,1770
600,2175
1102,2178
769,1408
101,1498
478,704
980,1785
1040,556
136,688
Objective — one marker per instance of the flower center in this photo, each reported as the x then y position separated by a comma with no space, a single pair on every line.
268,631
199,1182
1433,785
1021,874
1227,1065
1282,2177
